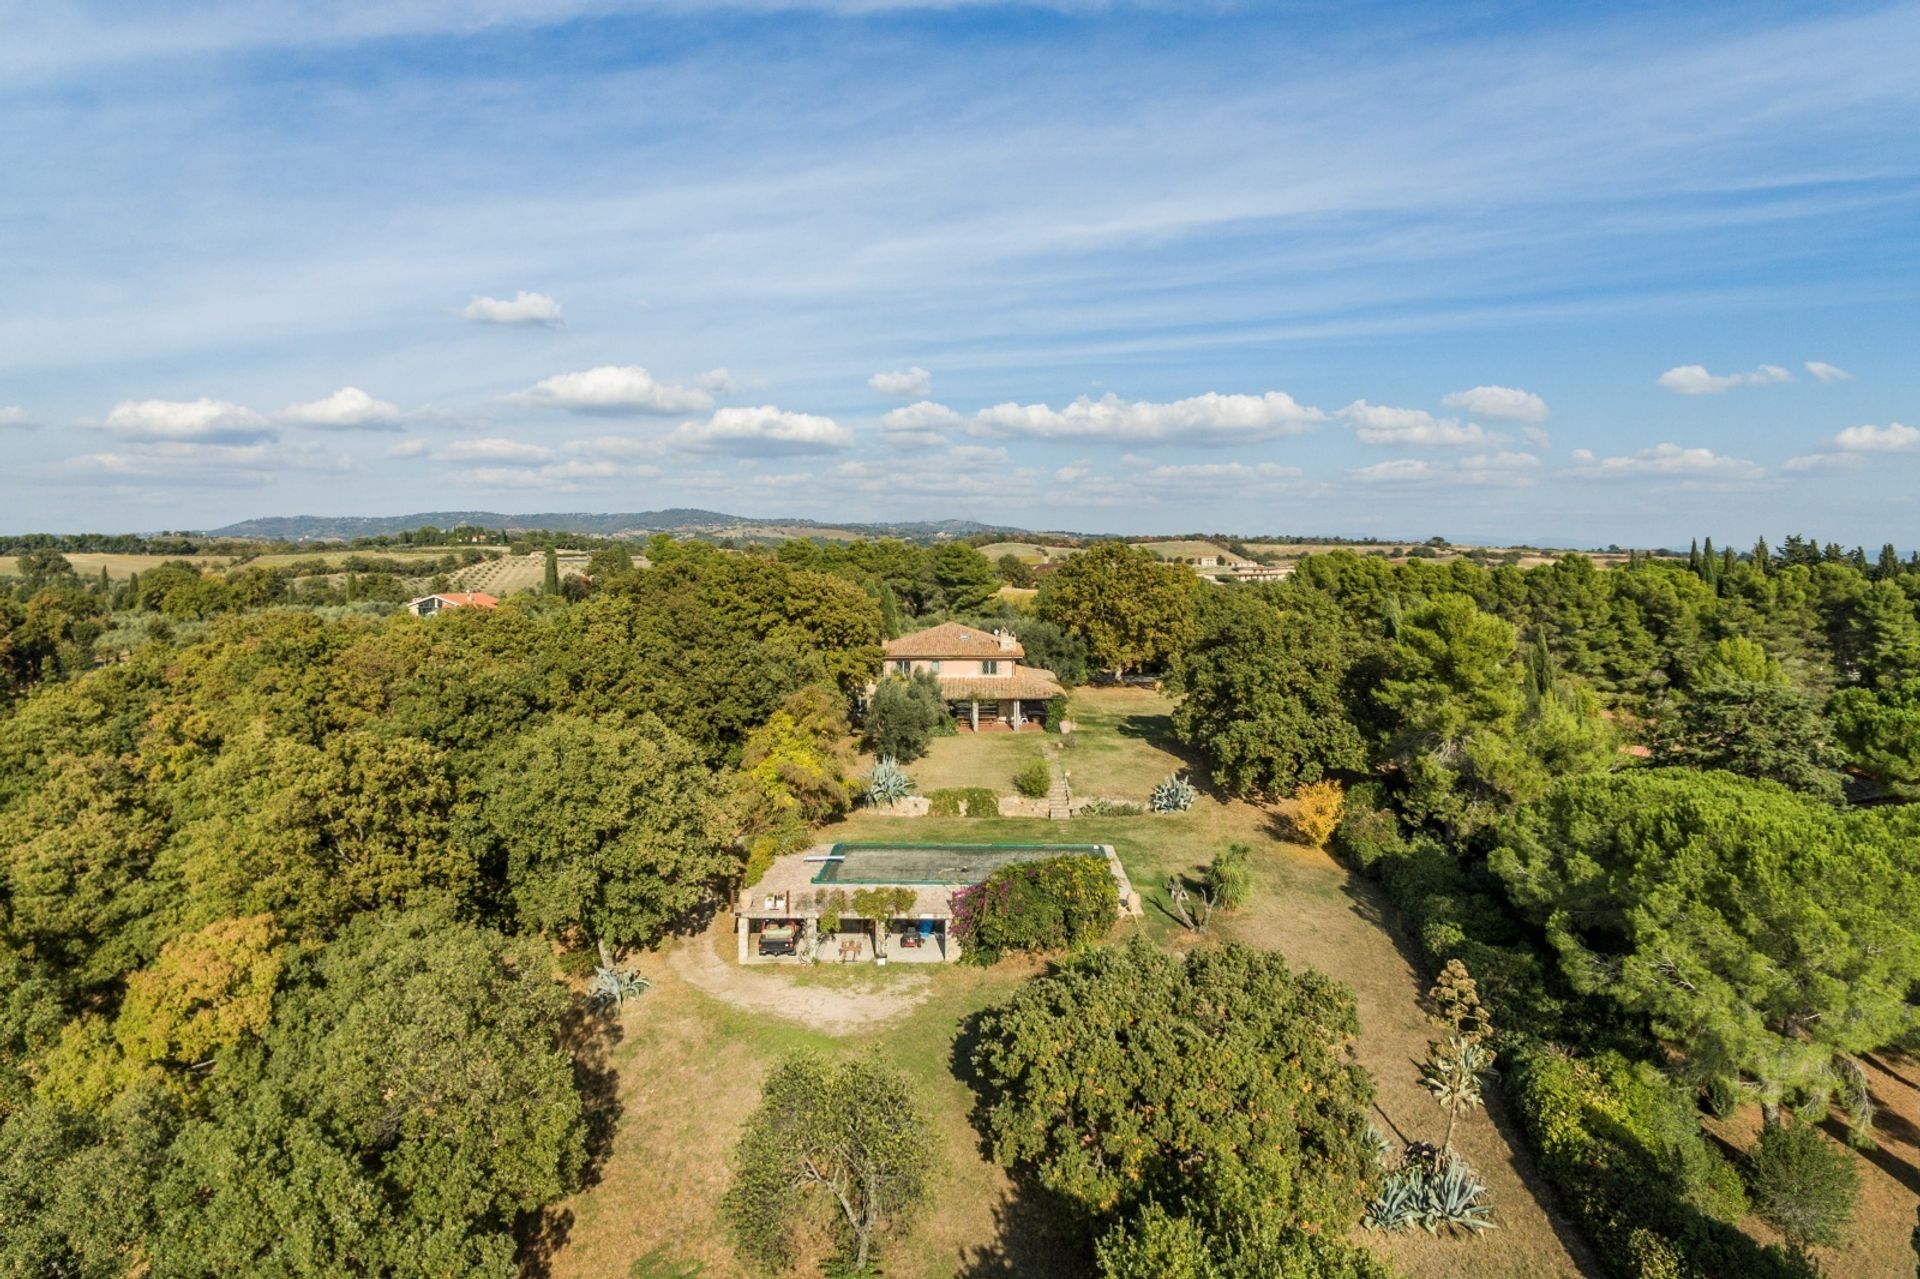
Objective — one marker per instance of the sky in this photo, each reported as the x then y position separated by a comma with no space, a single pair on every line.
1491,270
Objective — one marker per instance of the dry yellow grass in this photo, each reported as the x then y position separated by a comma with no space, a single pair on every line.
119,567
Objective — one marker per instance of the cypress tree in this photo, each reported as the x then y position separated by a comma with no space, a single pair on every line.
550,583
1762,556
106,583
1693,554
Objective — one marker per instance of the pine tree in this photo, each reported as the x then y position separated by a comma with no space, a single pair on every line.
1889,565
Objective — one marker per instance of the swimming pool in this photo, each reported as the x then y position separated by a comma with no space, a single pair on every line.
934,863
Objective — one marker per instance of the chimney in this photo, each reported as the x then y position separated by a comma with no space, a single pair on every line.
1006,639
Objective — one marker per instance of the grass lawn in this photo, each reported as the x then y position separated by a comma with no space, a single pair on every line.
976,759
1122,745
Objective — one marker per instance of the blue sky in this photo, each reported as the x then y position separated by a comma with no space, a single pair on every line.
1498,271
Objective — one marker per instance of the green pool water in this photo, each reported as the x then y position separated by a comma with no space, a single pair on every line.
934,863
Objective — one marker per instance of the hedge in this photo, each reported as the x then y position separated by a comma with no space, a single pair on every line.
963,801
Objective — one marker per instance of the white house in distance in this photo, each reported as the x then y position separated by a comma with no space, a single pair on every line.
981,676
428,605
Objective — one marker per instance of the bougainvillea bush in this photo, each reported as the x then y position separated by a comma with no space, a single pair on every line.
1055,904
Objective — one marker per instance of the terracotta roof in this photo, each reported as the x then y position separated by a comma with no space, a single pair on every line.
951,639
1027,682
462,599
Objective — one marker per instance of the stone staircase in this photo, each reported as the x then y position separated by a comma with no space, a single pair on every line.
1059,795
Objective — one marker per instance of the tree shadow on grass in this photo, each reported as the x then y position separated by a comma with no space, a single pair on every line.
1035,1231
589,1036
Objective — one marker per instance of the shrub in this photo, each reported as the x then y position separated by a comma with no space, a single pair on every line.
1054,904
904,715
1035,780
1367,829
1229,881
1622,1148
1056,712
1109,808
1803,1185
1316,811
1174,795
887,784
963,801
1720,1098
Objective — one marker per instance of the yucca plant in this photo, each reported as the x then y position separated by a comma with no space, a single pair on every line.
887,784
1175,795
1456,1199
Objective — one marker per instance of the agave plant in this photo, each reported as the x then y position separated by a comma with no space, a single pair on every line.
1175,795
1456,1199
611,987
1434,1194
887,784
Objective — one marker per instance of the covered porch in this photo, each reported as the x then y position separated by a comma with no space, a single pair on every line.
1003,703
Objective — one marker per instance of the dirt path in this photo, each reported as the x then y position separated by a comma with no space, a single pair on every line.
1363,947
781,992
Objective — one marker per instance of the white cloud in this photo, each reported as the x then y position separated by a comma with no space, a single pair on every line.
908,384
1413,428
492,449
348,408
203,420
1825,462
1069,474
408,448
1693,379
1211,418
717,381
524,309
1668,462
615,390
198,462
613,446
1503,469
762,430
1220,474
1892,438
1824,372
14,415
1501,403
918,425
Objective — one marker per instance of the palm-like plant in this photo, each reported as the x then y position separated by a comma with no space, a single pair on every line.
1456,1074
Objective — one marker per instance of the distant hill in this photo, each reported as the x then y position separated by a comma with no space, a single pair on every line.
679,520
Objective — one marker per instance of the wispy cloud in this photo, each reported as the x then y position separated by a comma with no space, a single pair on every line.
1693,379
12,415
1668,462
1413,428
1829,373
523,310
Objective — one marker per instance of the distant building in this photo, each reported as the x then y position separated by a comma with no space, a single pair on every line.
428,605
1261,572
980,674
1206,561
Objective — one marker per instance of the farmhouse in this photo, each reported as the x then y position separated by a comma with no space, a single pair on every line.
809,905
981,676
428,605
1261,572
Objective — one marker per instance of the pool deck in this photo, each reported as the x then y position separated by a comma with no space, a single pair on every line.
788,891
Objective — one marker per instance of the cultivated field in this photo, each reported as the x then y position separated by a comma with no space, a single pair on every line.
119,567
1190,550
1030,552
511,574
